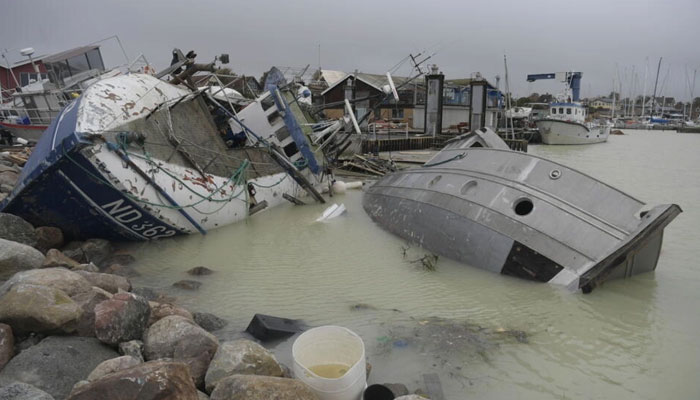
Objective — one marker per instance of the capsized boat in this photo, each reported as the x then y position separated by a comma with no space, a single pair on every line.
138,158
517,214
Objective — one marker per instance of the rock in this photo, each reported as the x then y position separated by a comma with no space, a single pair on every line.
87,302
74,250
241,356
162,310
198,271
97,251
16,229
15,257
23,391
152,294
69,282
89,267
399,389
122,318
31,340
187,284
153,380
48,237
252,387
122,270
8,178
7,345
108,282
200,396
181,339
209,322
133,348
33,308
112,365
56,259
57,363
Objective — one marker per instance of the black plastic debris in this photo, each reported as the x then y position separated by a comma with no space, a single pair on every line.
267,327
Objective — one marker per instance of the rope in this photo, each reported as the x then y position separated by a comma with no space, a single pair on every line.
236,175
457,157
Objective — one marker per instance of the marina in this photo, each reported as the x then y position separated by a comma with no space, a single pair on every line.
256,201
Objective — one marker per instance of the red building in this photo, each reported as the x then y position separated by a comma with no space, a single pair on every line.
22,73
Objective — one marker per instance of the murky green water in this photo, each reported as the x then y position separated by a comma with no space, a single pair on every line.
631,339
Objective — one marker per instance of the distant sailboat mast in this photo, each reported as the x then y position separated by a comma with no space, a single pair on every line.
644,93
656,83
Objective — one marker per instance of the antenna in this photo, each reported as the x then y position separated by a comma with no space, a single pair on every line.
392,86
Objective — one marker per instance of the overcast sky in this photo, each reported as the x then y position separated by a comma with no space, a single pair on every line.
604,39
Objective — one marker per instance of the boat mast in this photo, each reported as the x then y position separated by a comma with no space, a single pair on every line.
653,99
644,93
508,101
613,101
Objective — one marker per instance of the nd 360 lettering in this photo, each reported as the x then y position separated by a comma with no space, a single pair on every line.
127,214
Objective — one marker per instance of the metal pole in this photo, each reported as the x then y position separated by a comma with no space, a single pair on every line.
644,94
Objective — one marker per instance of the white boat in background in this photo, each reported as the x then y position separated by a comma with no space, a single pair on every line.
566,124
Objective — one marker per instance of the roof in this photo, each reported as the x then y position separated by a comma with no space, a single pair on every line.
331,77
374,80
64,55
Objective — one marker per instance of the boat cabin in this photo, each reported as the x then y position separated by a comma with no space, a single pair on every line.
567,112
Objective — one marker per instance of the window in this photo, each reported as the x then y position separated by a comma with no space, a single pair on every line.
561,110
554,110
568,111
282,133
27,77
397,113
78,64
267,102
273,117
95,59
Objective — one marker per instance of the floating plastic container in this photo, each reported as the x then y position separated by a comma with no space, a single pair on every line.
331,360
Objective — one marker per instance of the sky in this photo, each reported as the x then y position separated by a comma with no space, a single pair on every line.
605,39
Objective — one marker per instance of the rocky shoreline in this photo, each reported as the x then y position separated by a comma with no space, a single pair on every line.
73,327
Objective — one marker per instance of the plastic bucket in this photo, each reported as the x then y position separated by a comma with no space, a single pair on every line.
330,351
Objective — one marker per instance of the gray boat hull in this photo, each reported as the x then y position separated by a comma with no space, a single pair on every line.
520,215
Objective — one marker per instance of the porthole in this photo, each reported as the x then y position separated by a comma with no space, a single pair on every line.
523,207
467,187
555,174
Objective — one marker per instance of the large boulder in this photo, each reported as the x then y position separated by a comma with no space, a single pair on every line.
153,380
56,259
122,318
7,345
16,229
15,257
23,391
57,363
112,365
87,302
48,237
33,308
69,282
108,282
181,339
253,387
162,310
8,178
240,356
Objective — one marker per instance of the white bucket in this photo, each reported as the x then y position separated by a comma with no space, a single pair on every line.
331,345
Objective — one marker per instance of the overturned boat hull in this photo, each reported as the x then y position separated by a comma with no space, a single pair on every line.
135,158
520,215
